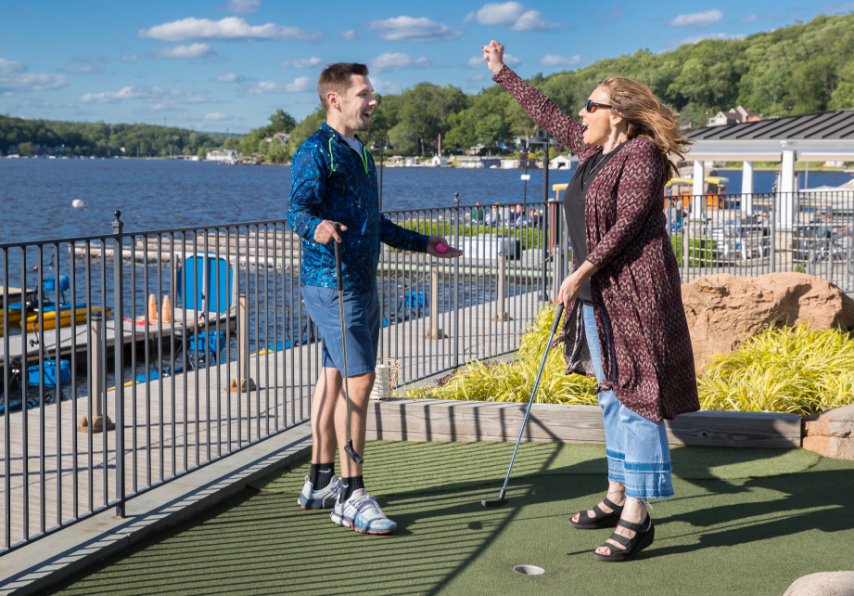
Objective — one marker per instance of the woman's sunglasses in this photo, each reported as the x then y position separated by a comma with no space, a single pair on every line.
592,106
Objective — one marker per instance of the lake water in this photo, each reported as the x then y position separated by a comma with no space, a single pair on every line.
36,194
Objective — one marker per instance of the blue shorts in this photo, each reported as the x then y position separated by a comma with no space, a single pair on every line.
361,323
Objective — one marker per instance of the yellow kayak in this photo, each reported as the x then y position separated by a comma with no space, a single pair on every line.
49,317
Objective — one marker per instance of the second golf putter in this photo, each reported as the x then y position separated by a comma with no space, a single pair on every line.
351,453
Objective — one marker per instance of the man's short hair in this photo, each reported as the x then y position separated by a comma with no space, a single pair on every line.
337,77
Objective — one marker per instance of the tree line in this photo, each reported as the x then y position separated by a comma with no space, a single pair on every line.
105,140
800,69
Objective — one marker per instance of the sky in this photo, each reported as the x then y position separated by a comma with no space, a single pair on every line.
220,66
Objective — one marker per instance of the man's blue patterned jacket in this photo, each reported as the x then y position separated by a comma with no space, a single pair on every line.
331,181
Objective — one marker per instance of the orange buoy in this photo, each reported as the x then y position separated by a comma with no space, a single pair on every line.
167,310
152,308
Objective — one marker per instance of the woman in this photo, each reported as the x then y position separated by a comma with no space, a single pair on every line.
623,300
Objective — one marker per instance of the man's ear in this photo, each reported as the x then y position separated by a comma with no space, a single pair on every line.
332,100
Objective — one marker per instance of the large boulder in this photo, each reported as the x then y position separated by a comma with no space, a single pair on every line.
832,433
724,309
833,583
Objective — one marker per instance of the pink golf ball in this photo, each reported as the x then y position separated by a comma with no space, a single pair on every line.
441,248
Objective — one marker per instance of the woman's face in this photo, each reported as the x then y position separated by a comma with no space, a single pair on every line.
599,122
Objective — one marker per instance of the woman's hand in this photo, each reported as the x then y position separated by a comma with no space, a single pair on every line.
572,285
494,55
447,252
570,288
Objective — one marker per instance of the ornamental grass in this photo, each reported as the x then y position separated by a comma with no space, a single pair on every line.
793,370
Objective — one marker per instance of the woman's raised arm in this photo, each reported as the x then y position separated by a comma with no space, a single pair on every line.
539,107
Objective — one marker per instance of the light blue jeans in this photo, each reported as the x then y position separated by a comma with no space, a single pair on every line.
636,447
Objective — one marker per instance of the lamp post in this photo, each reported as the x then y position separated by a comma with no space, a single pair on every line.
381,147
543,138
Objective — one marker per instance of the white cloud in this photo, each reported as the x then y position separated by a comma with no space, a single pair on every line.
381,86
834,8
477,77
479,62
89,59
752,18
698,38
84,70
129,58
227,29
696,20
412,29
562,61
15,78
158,97
240,6
299,85
611,17
216,116
350,35
193,50
313,62
122,94
514,15
398,61
226,78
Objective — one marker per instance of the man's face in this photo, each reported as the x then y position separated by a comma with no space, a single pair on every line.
358,104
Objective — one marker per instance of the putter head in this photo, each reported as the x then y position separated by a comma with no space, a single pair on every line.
351,453
492,503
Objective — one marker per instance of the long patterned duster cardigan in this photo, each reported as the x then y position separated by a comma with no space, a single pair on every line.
638,280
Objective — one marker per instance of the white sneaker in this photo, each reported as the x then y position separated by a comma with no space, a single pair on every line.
323,498
362,513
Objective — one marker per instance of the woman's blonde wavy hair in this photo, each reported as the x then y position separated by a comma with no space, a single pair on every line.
647,117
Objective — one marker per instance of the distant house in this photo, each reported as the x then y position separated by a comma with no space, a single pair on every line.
222,155
280,137
737,115
438,161
563,162
478,162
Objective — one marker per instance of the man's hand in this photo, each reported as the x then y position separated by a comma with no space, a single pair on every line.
494,54
450,251
325,232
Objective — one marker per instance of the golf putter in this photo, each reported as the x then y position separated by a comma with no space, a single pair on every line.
351,453
501,500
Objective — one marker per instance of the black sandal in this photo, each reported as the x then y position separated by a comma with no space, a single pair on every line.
632,546
602,519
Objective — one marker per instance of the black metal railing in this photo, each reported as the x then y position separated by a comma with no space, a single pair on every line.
132,358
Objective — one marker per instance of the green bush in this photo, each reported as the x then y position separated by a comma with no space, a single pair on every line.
792,370
702,252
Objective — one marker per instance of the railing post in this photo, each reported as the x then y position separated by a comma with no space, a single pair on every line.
118,362
246,383
96,356
501,315
435,332
456,281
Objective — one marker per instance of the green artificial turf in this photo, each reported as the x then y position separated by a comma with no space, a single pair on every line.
748,535
396,467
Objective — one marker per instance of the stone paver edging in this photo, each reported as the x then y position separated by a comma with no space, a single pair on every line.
55,557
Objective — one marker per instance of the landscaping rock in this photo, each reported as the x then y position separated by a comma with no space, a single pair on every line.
832,433
837,583
724,309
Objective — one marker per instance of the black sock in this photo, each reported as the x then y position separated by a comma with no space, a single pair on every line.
354,483
321,475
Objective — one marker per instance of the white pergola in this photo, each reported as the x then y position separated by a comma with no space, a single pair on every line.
810,138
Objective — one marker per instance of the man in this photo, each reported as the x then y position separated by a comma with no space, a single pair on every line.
334,180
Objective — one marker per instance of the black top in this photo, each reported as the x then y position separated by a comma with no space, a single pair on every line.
573,206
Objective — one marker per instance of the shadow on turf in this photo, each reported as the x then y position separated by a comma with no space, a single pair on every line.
820,501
